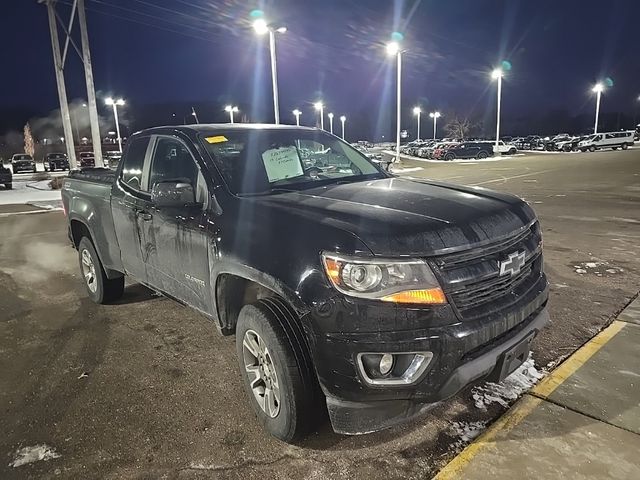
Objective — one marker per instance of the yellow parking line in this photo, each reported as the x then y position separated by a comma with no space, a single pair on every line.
529,403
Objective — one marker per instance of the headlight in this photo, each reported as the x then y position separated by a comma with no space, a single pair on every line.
388,280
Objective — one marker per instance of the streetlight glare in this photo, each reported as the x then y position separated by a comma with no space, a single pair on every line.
417,110
296,112
497,73
281,29
330,115
120,102
434,114
598,88
318,105
108,101
260,26
229,108
393,48
343,118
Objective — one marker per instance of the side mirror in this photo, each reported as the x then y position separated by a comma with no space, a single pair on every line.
173,193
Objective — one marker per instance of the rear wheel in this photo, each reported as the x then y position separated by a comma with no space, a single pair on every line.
482,155
100,288
449,156
276,370
592,148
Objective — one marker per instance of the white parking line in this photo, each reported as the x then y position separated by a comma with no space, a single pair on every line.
504,179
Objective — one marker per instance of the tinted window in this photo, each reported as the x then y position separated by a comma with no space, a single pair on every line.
134,163
173,161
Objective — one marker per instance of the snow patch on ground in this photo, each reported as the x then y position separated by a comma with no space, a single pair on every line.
407,170
466,432
32,454
28,191
510,389
599,269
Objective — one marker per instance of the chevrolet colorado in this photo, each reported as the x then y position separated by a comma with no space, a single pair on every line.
345,286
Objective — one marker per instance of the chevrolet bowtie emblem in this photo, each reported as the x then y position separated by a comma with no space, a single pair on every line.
513,264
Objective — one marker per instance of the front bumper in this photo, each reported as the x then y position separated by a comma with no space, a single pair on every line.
464,352
23,168
5,178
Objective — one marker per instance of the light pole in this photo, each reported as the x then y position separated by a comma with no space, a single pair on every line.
417,111
330,115
598,88
319,106
115,104
261,27
342,120
297,114
231,110
435,116
393,49
497,74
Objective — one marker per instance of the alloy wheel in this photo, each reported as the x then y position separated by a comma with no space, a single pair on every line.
89,271
260,369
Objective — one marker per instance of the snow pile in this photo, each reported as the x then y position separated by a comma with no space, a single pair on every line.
36,453
27,192
467,432
521,380
600,269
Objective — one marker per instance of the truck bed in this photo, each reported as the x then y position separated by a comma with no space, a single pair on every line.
95,175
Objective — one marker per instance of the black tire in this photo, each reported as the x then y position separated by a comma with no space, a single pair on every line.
106,290
592,148
566,148
449,156
625,146
8,186
614,148
275,323
482,155
512,151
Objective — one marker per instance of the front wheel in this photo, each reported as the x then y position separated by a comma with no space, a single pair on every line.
592,148
625,146
512,151
100,288
276,370
449,156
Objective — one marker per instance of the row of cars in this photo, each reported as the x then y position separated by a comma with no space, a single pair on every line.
23,162
449,149
563,142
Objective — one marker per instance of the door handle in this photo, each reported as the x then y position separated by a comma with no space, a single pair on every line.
144,215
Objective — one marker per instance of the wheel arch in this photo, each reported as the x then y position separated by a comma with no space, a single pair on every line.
78,229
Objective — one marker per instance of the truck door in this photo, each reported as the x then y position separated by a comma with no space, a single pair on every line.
128,196
176,248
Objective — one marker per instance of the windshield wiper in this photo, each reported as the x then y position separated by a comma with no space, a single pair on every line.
267,192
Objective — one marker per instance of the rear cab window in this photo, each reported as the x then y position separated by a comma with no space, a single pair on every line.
132,173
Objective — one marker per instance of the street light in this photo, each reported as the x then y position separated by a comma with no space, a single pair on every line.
319,106
231,110
343,119
598,88
417,111
393,49
497,74
435,116
115,104
261,27
330,115
297,114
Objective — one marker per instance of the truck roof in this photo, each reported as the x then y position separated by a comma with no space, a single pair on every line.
207,127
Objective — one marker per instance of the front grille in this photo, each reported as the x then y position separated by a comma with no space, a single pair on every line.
472,280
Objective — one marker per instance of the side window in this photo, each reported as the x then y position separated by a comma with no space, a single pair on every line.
134,163
173,161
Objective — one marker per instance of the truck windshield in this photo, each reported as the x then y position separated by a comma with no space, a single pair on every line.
264,161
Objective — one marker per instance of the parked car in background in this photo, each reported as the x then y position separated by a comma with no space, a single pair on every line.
477,150
86,159
612,140
6,178
55,161
440,151
571,144
111,159
344,286
504,148
22,162
551,143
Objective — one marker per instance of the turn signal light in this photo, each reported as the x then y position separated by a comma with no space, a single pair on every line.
430,296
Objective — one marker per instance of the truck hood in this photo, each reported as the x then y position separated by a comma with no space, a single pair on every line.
395,216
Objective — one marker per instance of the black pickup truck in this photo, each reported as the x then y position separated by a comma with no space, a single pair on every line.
344,285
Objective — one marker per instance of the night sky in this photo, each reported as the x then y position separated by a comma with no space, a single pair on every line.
169,51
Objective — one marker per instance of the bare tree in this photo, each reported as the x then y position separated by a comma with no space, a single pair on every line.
458,128
29,143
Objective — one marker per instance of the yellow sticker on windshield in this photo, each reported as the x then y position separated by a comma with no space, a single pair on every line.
217,139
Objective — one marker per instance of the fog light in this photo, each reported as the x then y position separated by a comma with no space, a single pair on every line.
386,363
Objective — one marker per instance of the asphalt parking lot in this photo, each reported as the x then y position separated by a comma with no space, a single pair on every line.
147,389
